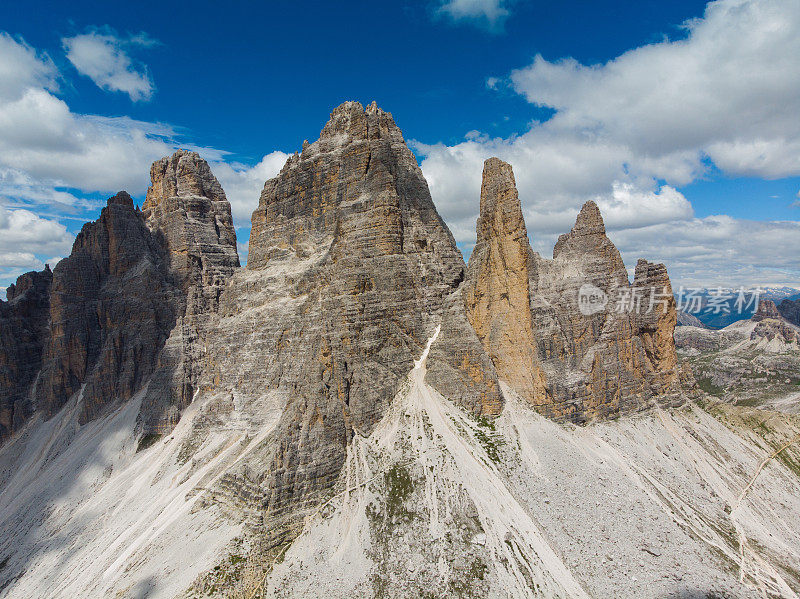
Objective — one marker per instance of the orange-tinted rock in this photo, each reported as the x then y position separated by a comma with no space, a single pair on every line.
595,349
656,319
497,292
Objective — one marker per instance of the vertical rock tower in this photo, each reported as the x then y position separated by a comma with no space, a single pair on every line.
570,364
129,306
350,271
186,204
112,306
187,209
497,292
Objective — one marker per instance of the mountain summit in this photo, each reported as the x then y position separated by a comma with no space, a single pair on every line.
358,413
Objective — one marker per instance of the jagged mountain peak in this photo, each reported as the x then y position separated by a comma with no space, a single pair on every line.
589,219
352,120
563,357
121,198
183,174
355,385
499,204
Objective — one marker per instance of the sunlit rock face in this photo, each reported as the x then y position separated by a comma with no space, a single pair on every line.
187,208
570,334
350,269
497,292
772,328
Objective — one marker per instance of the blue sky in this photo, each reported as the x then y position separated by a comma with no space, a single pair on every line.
678,118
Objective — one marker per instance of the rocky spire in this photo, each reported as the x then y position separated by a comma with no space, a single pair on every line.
113,304
569,362
766,310
355,269
187,208
587,242
186,204
497,292
655,321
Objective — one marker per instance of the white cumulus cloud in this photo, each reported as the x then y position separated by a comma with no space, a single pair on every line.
21,68
490,14
102,55
718,250
23,233
627,133
730,89
243,184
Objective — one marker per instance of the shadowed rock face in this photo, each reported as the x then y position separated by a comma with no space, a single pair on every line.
130,305
350,270
790,310
112,305
570,364
186,205
23,334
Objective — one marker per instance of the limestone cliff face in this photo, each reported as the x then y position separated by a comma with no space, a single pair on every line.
129,307
186,204
655,319
570,363
766,310
187,208
350,270
112,306
772,325
23,334
497,293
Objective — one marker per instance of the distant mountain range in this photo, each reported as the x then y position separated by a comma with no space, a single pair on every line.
705,311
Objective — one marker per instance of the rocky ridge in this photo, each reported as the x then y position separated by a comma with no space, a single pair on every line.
186,206
790,310
336,386
754,362
112,306
689,320
127,308
350,268
569,363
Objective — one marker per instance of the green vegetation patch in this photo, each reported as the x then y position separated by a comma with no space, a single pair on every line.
399,486
706,385
488,438
147,441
